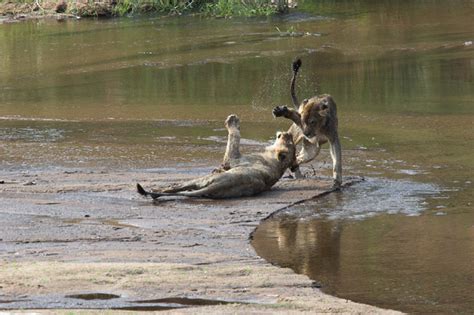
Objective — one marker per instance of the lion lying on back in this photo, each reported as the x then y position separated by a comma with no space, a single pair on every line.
239,175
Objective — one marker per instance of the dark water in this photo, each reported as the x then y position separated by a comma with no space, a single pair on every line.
154,92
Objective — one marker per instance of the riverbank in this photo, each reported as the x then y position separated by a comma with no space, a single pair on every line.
76,239
11,11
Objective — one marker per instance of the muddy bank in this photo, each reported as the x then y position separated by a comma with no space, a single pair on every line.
14,11
11,12
73,232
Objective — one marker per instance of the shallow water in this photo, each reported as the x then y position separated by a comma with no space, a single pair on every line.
153,93
107,301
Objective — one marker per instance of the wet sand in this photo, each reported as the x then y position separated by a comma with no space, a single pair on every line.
70,232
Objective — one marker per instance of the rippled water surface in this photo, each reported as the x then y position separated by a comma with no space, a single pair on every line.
153,92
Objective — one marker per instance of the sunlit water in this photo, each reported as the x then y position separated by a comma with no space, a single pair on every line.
373,196
153,93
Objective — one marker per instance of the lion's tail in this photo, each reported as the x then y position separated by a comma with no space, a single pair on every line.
296,66
143,192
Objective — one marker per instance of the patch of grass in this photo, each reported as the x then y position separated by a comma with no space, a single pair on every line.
90,8
19,1
124,7
247,8
213,8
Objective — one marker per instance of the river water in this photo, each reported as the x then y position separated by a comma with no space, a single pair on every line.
153,92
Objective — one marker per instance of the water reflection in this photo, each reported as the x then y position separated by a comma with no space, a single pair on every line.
386,82
387,56
413,264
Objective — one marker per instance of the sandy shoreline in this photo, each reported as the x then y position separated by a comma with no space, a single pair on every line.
72,232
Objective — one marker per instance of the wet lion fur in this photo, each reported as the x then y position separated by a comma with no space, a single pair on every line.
315,122
240,175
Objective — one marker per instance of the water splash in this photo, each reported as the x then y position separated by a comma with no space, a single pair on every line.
372,197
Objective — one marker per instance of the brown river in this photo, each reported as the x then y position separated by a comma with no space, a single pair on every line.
152,92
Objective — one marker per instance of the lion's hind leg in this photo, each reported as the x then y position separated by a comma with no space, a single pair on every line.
229,185
191,185
155,195
232,151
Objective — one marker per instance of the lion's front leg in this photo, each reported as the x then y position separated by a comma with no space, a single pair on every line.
298,136
289,113
309,151
336,155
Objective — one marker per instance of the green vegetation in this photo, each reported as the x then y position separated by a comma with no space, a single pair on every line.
215,8
124,7
229,8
